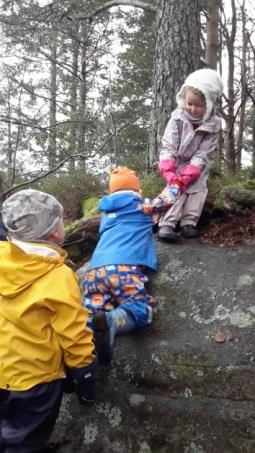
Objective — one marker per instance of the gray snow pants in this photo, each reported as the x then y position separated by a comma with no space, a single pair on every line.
186,210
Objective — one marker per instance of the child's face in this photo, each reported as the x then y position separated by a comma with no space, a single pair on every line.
195,104
59,234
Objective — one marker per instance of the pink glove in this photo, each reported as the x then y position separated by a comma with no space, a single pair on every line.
188,175
167,169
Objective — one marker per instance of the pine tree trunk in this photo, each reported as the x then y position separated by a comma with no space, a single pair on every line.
239,145
230,118
83,97
52,150
9,146
212,34
73,96
253,124
177,53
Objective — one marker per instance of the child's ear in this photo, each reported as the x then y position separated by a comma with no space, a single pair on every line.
55,235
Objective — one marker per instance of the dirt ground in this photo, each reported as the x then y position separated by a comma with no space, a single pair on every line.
230,229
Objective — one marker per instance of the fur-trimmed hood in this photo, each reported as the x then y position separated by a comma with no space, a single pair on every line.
209,83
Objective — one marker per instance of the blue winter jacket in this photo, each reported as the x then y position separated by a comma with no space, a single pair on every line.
125,233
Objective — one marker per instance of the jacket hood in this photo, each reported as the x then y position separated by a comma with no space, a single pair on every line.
19,269
118,200
208,82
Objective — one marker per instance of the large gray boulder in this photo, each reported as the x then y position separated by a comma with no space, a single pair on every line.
186,383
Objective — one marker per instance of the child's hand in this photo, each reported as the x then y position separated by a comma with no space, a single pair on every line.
173,192
84,380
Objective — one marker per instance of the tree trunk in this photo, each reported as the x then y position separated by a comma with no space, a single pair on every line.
83,96
253,122
219,160
177,53
73,96
52,150
230,118
9,146
245,40
212,34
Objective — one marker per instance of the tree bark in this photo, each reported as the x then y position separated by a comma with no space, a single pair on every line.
52,150
212,34
230,117
177,53
9,145
253,122
83,97
245,40
73,96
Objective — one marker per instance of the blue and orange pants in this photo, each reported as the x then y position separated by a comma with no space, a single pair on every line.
108,287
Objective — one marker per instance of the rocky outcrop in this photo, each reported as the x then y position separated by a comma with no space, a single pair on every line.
186,383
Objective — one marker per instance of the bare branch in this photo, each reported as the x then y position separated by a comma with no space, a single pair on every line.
109,4
17,121
73,156
37,178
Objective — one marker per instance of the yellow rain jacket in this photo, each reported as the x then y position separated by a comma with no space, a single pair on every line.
42,322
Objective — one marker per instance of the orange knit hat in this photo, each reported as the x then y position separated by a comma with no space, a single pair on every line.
122,178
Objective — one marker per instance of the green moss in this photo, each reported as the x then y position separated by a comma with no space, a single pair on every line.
90,208
241,181
69,229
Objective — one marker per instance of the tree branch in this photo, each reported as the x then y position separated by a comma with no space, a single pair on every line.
109,4
37,178
5,193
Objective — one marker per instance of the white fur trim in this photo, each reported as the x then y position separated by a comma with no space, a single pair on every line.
35,249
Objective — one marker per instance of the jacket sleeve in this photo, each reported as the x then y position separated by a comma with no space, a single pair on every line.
69,322
170,141
169,148
167,169
202,158
158,205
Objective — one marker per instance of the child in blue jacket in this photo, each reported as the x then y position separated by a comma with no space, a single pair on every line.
113,288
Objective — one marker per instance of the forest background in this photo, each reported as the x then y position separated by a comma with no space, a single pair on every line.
86,85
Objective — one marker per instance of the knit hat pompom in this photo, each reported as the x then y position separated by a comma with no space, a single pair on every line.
122,178
30,214
208,82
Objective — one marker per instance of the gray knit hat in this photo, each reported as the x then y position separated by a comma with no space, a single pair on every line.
30,214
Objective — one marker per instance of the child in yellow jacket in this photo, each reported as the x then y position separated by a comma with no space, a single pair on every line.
42,323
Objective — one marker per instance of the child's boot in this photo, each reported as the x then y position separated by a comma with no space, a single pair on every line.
106,325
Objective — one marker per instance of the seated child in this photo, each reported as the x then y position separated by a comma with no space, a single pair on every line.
114,286
188,148
42,323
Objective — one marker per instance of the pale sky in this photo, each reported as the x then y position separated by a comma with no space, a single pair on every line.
44,2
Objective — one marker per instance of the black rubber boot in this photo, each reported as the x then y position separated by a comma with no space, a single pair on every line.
189,231
104,349
167,233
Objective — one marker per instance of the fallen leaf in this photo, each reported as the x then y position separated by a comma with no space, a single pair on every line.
173,394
